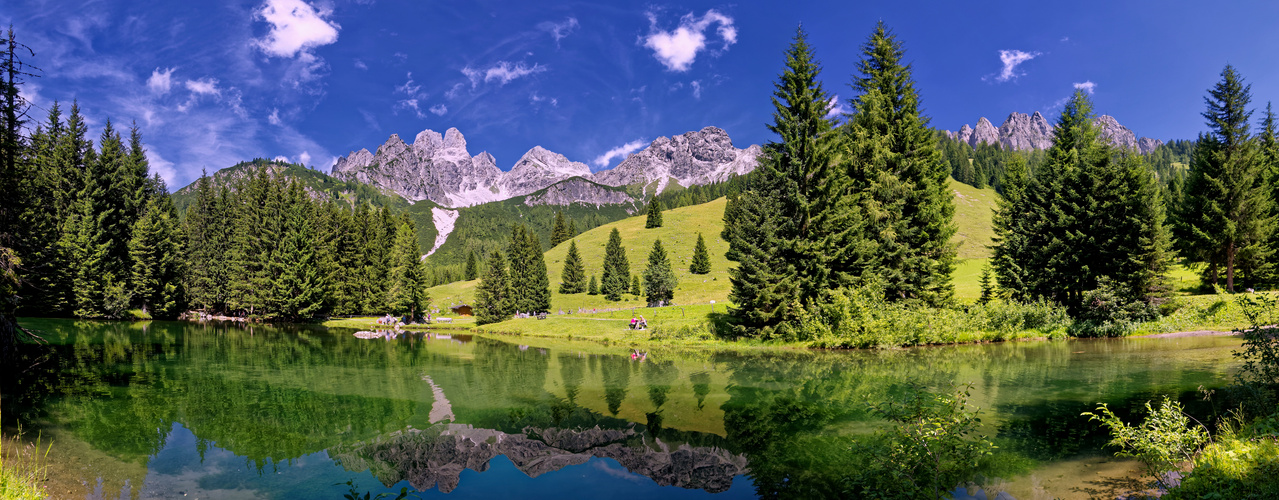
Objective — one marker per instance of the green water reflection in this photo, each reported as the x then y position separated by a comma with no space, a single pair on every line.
423,410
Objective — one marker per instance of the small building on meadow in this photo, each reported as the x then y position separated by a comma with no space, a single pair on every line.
461,310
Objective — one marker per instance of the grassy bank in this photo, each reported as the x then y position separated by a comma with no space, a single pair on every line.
23,469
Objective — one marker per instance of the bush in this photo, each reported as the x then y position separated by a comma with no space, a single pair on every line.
860,317
1108,312
1162,443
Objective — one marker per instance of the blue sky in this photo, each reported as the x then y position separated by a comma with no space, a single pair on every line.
212,83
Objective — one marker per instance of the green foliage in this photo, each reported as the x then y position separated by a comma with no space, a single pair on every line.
530,286
407,294
559,233
1161,443
654,215
617,270
701,258
573,278
472,267
933,445
493,302
1226,217
659,279
24,470
861,317
593,288
1107,311
1090,212
987,286
636,288
1260,350
156,252
1240,463
354,493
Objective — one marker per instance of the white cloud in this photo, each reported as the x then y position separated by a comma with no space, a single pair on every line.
161,166
296,27
304,158
678,48
413,95
439,109
281,159
503,72
697,88
835,108
618,152
274,118
452,93
1087,86
559,30
203,86
160,81
1011,59
360,64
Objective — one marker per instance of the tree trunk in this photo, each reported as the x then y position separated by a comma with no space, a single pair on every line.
1230,267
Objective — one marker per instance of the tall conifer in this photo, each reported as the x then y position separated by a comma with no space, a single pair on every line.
493,293
559,234
654,214
472,266
407,292
573,278
617,271
1225,211
701,257
659,279
893,163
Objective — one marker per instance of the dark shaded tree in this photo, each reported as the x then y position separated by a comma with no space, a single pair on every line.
659,279
617,271
654,214
573,278
493,293
701,263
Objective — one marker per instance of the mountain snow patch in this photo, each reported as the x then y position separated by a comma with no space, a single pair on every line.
444,220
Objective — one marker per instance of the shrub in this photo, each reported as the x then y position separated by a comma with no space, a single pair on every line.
1162,443
1108,312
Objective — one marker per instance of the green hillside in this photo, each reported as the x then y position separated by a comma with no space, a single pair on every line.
973,210
320,184
678,235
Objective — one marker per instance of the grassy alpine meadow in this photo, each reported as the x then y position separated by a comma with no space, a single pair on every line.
691,320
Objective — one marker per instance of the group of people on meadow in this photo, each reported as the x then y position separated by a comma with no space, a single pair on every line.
639,323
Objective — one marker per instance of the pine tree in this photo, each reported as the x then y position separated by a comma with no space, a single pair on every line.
472,267
1225,212
659,279
654,214
617,271
573,278
777,228
593,288
407,293
559,234
1268,142
987,286
530,286
206,247
895,167
99,266
1014,221
572,229
493,293
155,251
298,284
701,257
637,289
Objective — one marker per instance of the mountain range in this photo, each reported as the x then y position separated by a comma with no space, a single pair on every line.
1024,132
439,168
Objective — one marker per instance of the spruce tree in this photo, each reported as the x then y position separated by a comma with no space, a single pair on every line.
701,257
617,271
659,279
593,288
654,214
530,285
572,229
776,228
206,222
573,278
1268,142
898,174
637,289
559,234
493,293
1225,211
1014,222
298,285
472,267
155,252
407,293
97,249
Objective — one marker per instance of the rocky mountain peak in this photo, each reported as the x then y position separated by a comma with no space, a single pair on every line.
428,140
1025,132
453,139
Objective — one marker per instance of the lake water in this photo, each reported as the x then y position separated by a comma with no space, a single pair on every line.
164,410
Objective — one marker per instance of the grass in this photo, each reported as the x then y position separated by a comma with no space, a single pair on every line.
23,469
974,210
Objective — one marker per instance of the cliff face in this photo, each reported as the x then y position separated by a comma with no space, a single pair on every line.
440,169
1025,132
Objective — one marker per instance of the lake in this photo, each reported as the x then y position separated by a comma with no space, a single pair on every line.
169,409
